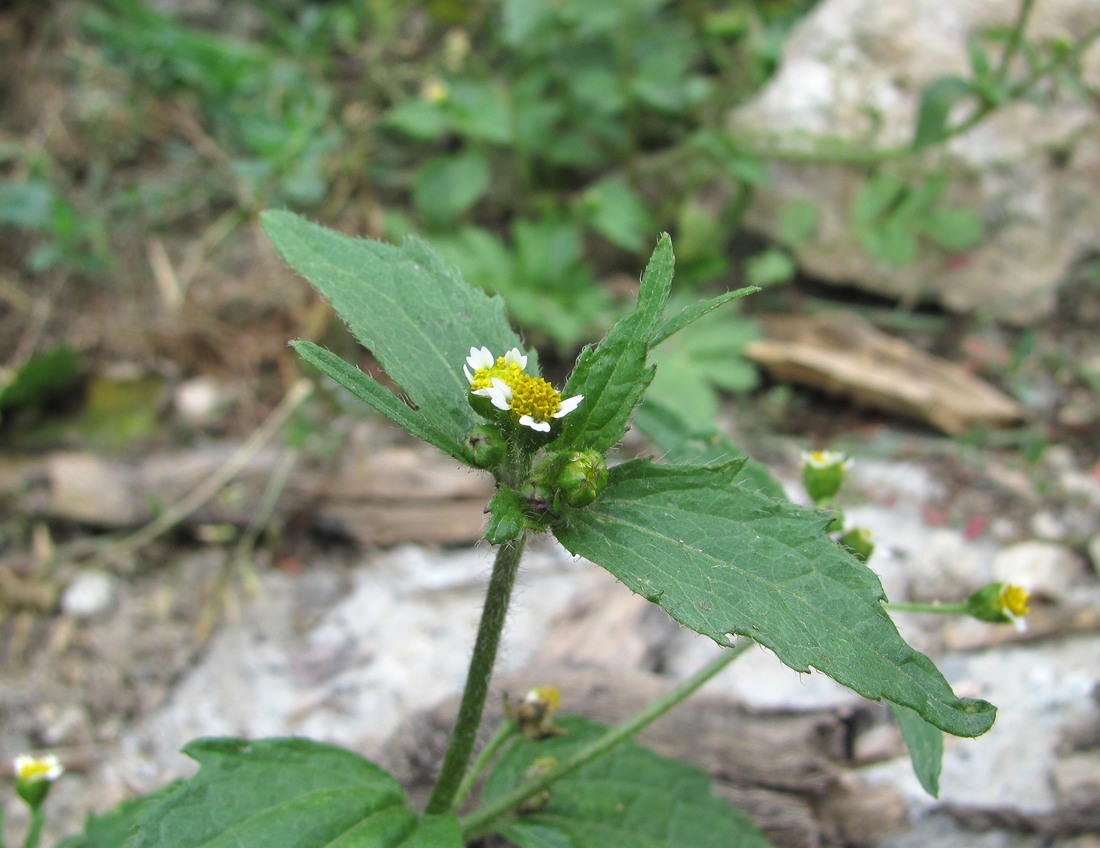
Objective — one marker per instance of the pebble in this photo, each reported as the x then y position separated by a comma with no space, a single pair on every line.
1093,549
1046,569
90,594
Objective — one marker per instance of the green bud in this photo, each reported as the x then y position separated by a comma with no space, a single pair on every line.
583,478
486,446
1000,603
858,540
823,473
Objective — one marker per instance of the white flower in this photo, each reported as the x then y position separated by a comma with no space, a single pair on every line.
33,769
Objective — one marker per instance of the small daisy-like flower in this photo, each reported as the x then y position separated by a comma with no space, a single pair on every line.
35,769
34,776
534,713
532,400
1001,603
823,459
1013,601
823,473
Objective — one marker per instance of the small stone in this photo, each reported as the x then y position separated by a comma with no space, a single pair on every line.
66,725
1046,569
90,594
1093,549
1046,525
200,401
1077,779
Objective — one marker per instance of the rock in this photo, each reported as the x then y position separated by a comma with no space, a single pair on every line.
201,401
90,594
948,568
1093,548
853,71
1077,779
1046,569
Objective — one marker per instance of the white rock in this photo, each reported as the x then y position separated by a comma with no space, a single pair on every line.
90,594
855,70
1046,569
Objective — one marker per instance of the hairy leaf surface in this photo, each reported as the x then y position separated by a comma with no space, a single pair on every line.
725,559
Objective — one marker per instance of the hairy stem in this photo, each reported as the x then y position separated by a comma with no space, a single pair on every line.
457,759
485,820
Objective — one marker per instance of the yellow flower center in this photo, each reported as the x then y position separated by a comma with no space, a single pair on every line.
1014,600
532,396
509,373
33,770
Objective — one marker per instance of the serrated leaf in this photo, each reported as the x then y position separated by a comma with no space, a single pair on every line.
412,311
632,798
722,559
689,314
925,743
681,443
293,793
935,108
614,375
378,397
115,826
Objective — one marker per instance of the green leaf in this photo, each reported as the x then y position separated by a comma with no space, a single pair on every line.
42,376
689,314
632,798
293,793
722,559
953,228
798,222
414,313
935,108
770,267
447,186
614,375
876,198
114,827
506,517
925,743
707,356
681,443
891,242
378,397
420,119
480,111
616,212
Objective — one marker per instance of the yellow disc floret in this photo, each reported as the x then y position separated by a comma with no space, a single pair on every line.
1014,600
532,400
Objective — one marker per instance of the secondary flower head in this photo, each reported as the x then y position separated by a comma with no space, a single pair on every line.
1001,603
33,776
534,713
823,472
531,400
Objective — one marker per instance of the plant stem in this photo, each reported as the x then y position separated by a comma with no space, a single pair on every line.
484,820
468,720
935,606
1014,39
504,733
35,831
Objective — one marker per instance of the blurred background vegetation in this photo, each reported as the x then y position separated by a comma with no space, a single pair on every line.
540,146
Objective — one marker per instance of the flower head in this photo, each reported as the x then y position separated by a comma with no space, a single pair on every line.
531,400
34,769
823,472
1004,603
33,777
534,713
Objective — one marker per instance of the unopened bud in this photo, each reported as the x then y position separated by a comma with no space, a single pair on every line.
823,473
486,446
859,541
583,478
1000,603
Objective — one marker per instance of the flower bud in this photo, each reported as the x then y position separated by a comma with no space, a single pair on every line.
823,472
1000,603
34,776
859,541
583,477
486,446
